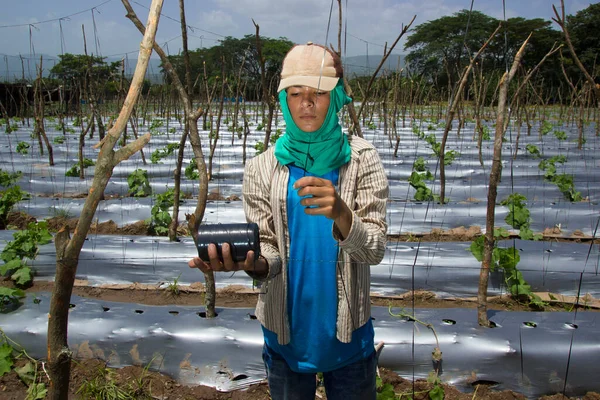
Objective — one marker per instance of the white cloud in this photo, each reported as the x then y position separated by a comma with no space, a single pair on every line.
216,20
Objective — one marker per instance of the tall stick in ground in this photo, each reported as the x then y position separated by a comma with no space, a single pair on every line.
355,126
386,54
501,126
451,112
180,152
38,111
68,249
267,97
489,240
213,137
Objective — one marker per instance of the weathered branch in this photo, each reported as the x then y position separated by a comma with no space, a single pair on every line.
68,250
125,152
527,78
489,239
561,21
452,111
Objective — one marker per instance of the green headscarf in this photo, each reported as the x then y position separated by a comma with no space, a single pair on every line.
317,152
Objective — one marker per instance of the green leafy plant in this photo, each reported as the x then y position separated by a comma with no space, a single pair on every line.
560,135
275,136
431,139
416,130
564,182
166,151
450,156
259,147
8,198
417,179
384,391
191,171
74,170
506,259
173,287
546,128
533,150
9,178
161,219
420,165
155,126
9,297
485,132
437,391
139,186
27,373
58,140
23,147
24,246
11,128
549,166
519,216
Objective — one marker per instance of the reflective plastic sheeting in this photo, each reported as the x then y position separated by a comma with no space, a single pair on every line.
534,353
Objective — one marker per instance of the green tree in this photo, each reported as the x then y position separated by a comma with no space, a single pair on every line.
442,41
74,69
439,45
584,28
234,51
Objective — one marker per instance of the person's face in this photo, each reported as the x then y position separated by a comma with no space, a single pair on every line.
308,107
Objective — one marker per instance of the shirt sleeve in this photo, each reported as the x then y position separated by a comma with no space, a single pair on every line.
257,207
368,233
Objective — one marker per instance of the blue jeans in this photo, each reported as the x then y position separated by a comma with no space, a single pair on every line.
354,381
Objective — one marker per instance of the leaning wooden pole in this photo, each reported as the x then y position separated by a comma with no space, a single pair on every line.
496,170
68,249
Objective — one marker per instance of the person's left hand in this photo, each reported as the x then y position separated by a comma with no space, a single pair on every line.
324,201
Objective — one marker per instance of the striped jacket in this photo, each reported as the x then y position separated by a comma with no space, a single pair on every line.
364,188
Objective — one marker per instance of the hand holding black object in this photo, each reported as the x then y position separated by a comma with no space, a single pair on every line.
226,262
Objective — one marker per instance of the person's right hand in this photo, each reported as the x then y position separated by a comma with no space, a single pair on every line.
227,264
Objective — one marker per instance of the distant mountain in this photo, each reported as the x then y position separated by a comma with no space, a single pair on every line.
13,68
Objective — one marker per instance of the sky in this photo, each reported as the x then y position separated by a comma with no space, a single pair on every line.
52,27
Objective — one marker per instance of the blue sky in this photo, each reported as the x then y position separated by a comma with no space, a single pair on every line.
370,24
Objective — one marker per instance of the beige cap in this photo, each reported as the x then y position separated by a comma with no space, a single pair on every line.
310,65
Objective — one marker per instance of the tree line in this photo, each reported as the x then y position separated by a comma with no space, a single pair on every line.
436,51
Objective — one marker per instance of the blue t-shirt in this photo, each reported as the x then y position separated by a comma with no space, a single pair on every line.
312,293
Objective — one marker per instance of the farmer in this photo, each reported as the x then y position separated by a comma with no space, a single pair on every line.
319,198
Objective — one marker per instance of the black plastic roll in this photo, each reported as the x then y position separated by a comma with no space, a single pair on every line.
242,237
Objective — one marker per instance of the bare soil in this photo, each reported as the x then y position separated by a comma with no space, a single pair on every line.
140,383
